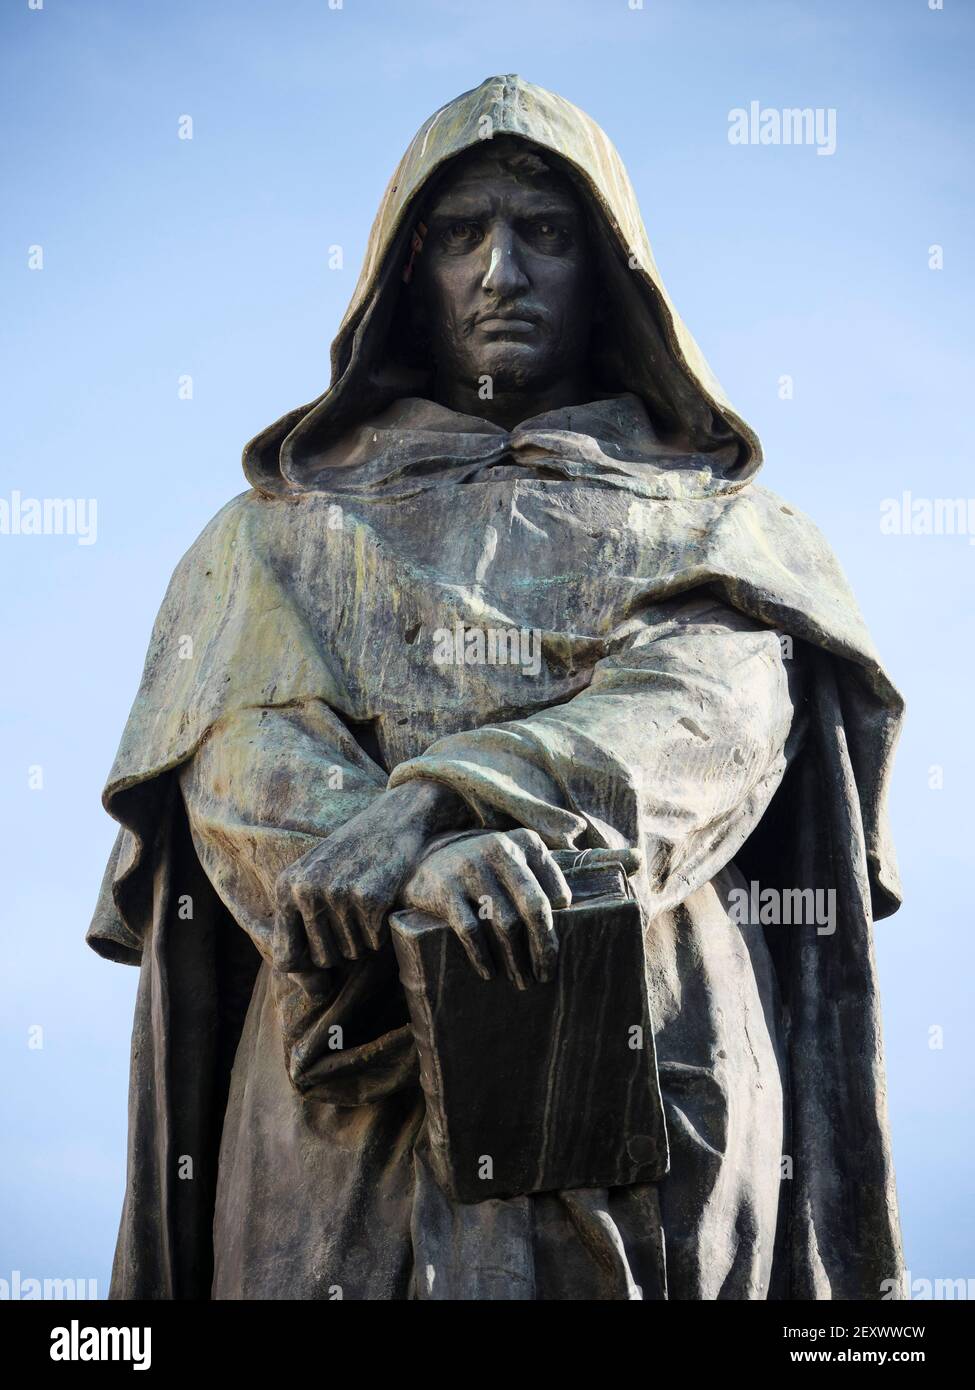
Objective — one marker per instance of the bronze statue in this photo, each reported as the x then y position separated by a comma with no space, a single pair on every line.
502,609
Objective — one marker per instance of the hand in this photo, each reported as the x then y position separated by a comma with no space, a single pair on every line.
332,903
496,891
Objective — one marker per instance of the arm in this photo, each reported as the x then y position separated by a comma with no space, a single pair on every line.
676,747
278,798
281,798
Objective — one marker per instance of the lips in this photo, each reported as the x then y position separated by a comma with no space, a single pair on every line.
506,322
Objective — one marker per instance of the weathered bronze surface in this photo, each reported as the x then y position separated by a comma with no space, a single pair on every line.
508,591
538,1089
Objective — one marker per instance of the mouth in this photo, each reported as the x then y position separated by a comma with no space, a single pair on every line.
496,322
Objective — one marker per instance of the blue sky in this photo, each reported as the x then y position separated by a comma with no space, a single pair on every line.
210,257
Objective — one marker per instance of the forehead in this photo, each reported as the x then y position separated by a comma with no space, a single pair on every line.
485,181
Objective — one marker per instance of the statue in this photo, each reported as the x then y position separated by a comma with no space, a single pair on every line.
502,609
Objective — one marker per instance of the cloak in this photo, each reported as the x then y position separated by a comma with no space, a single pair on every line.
367,514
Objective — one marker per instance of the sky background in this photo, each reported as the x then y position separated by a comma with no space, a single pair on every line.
210,257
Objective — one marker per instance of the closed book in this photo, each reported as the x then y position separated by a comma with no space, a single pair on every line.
550,1087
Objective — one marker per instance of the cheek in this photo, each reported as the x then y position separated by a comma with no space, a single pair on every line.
447,298
562,284
565,292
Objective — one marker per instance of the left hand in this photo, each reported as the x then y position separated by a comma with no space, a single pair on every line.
332,903
496,891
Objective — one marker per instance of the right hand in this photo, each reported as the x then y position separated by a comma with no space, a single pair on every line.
497,892
331,905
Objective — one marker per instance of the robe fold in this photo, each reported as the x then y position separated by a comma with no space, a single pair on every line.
597,626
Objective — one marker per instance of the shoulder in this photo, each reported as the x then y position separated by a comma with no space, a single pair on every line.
778,513
788,536
237,532
222,529
212,569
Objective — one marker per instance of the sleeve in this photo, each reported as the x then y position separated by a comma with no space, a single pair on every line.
677,745
264,787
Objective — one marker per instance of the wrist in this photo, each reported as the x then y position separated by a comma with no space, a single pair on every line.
432,806
448,837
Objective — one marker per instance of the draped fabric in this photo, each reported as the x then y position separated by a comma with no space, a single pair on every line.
677,663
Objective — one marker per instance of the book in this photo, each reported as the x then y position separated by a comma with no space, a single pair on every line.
546,1088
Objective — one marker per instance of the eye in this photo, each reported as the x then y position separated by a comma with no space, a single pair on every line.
550,236
461,236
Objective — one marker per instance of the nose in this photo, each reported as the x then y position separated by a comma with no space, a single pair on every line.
504,276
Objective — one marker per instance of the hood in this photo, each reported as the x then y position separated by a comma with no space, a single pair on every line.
647,350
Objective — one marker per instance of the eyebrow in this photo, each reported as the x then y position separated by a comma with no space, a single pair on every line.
458,207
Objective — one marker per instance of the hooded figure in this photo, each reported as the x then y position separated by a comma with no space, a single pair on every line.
697,683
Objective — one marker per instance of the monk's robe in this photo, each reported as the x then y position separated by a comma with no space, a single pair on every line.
677,743
697,682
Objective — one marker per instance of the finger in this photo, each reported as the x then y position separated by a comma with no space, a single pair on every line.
344,928
289,944
371,919
534,910
463,921
500,915
335,918
544,866
322,946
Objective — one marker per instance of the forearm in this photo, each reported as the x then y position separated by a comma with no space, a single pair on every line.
268,786
676,746
265,787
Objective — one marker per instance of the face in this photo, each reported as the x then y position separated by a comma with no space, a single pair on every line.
503,284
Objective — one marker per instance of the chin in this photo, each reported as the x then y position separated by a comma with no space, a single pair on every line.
514,367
